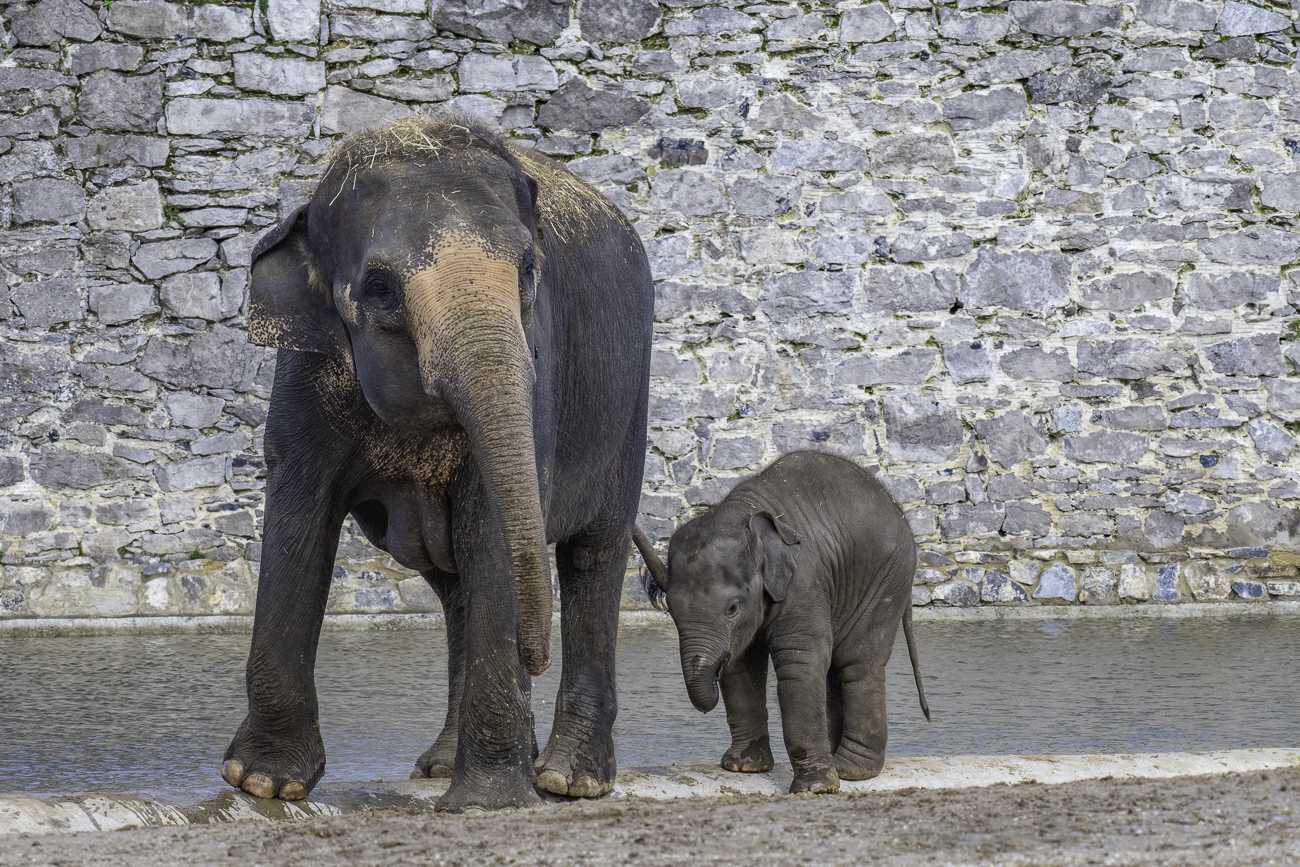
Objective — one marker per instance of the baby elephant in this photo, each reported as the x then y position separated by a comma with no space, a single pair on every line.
810,562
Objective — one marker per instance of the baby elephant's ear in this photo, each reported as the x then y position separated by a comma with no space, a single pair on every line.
289,307
777,545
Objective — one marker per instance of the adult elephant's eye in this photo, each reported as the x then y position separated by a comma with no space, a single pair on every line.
379,289
527,280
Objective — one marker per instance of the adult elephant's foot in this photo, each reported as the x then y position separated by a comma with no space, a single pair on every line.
821,781
749,758
438,761
566,767
284,766
482,794
860,764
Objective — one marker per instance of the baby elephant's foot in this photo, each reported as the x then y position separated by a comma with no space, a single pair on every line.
751,758
822,781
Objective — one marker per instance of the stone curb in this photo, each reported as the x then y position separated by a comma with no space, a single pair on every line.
53,814
235,624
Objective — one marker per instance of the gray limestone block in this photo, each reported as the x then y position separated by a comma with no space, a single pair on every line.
1138,168
103,545
1282,394
1017,64
1082,84
129,512
1088,525
609,168
48,200
117,303
1107,447
51,21
576,106
194,410
85,59
284,76
957,593
912,154
972,27
781,111
1006,486
765,196
23,80
1244,19
129,103
193,473
671,367
1064,17
1271,441
97,150
820,155
241,523
1178,15
909,367
870,23
199,295
1057,582
434,88
11,471
1211,291
41,122
202,116
1260,355
1038,282
670,257
889,117
805,293
712,21
1185,194
620,21
916,247
1237,48
996,587
1026,516
24,518
99,411
163,258
1151,418
132,207
737,453
968,361
1036,364
963,520
1125,291
484,72
1235,111
157,19
370,26
1280,191
945,493
841,436
1258,245
844,251
220,358
1263,524
1098,586
535,21
796,27
294,20
43,303
1133,358
59,468
1207,582
903,489
1012,437
980,109
686,191
893,289
919,428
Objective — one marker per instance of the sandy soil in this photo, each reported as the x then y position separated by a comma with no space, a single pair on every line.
1238,819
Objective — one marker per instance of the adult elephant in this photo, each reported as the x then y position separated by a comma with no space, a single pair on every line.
464,334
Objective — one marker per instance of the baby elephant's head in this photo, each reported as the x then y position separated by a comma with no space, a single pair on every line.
722,567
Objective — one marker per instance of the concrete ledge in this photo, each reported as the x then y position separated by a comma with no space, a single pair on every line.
235,624
53,814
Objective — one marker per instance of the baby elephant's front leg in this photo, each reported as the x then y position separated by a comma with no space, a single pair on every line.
744,694
801,689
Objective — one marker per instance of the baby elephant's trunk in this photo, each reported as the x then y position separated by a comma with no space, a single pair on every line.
702,666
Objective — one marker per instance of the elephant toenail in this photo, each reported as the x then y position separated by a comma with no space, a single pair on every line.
232,771
293,791
258,785
553,781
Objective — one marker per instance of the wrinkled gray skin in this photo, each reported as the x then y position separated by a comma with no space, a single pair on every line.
811,563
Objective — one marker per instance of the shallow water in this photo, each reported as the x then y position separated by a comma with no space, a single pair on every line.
128,713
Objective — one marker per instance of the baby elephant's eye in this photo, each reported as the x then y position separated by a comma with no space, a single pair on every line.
733,608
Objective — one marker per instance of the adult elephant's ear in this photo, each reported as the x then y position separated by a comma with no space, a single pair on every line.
777,546
289,306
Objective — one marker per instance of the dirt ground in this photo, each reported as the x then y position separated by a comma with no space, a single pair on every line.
1238,819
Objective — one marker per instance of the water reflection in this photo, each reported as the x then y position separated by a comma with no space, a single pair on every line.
131,713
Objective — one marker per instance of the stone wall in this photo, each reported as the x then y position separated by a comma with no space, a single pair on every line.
1035,261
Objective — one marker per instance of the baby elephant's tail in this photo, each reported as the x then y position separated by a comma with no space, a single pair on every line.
916,666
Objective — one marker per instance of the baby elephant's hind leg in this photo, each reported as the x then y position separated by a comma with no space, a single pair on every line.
860,754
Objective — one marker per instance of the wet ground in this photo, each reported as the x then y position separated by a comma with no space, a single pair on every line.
133,713
1230,819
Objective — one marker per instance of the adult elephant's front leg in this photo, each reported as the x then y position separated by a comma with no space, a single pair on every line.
439,759
579,756
494,744
277,751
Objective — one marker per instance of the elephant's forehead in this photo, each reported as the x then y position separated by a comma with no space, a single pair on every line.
460,247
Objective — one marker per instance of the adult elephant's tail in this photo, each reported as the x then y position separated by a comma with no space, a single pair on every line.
916,666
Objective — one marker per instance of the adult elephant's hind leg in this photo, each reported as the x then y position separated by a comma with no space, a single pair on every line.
277,751
861,751
440,759
579,756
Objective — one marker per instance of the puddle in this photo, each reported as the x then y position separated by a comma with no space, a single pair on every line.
154,713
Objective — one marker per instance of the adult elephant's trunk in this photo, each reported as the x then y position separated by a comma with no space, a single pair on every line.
465,316
702,664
